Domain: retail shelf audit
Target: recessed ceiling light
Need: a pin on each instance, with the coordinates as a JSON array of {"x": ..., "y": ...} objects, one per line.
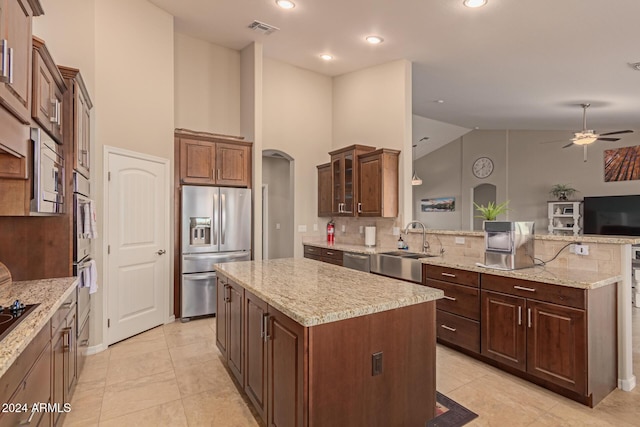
[
  {"x": 374, "y": 39},
  {"x": 285, "y": 4},
  {"x": 474, "y": 3},
  {"x": 326, "y": 57},
  {"x": 439, "y": 101}
]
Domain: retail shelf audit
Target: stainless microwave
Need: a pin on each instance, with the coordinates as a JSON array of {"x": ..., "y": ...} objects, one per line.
[{"x": 48, "y": 174}]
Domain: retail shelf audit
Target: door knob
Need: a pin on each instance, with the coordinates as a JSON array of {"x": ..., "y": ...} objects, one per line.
[{"x": 161, "y": 252}]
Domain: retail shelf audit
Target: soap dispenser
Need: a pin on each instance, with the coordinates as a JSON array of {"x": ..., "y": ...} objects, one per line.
[{"x": 401, "y": 243}]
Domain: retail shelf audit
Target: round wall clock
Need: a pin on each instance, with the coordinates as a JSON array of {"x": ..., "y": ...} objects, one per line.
[{"x": 482, "y": 167}]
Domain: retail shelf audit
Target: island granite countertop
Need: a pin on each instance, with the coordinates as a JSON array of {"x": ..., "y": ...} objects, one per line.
[
  {"x": 313, "y": 292},
  {"x": 50, "y": 294}
]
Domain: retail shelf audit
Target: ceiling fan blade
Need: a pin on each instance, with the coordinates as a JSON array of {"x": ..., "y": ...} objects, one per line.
[
  {"x": 618, "y": 132},
  {"x": 608, "y": 139},
  {"x": 568, "y": 145}
]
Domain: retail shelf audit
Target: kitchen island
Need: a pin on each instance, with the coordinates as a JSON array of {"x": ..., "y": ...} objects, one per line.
[{"x": 312, "y": 344}]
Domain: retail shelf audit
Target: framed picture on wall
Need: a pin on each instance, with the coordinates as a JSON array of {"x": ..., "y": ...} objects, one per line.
[{"x": 439, "y": 204}]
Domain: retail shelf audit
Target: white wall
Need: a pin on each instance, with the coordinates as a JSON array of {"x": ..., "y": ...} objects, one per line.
[
  {"x": 373, "y": 107},
  {"x": 207, "y": 86},
  {"x": 124, "y": 49},
  {"x": 524, "y": 171},
  {"x": 298, "y": 121}
]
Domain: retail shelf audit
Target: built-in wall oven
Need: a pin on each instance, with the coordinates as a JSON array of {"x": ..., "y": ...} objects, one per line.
[
  {"x": 48, "y": 174},
  {"x": 81, "y": 208}
]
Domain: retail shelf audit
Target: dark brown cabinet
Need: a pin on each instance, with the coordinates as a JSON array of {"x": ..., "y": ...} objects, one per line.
[
  {"x": 77, "y": 114},
  {"x": 331, "y": 256},
  {"x": 229, "y": 328},
  {"x": 274, "y": 357},
  {"x": 213, "y": 160},
  {"x": 458, "y": 313},
  {"x": 344, "y": 179},
  {"x": 378, "y": 184},
  {"x": 48, "y": 91},
  {"x": 15, "y": 68},
  {"x": 324, "y": 190},
  {"x": 559, "y": 336},
  {"x": 64, "y": 355}
]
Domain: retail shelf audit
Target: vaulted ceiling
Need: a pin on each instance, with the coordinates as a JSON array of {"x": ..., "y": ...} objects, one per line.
[{"x": 508, "y": 65}]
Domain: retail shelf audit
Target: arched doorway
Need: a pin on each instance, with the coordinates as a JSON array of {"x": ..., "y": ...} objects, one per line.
[
  {"x": 482, "y": 194},
  {"x": 277, "y": 205}
]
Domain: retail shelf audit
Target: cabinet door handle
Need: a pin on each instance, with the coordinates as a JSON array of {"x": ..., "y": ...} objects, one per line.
[
  {"x": 448, "y": 328},
  {"x": 449, "y": 298},
  {"x": 10, "y": 66},
  {"x": 359, "y": 207},
  {"x": 4, "y": 70},
  {"x": 448, "y": 274},
  {"x": 217, "y": 174},
  {"x": 522, "y": 288},
  {"x": 58, "y": 115},
  {"x": 529, "y": 316},
  {"x": 265, "y": 319},
  {"x": 262, "y": 327},
  {"x": 52, "y": 116},
  {"x": 519, "y": 315},
  {"x": 226, "y": 290},
  {"x": 28, "y": 421}
]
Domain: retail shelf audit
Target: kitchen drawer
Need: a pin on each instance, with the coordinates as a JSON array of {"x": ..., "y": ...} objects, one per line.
[
  {"x": 58, "y": 319},
  {"x": 458, "y": 330},
  {"x": 557, "y": 294},
  {"x": 332, "y": 261},
  {"x": 21, "y": 366},
  {"x": 312, "y": 250},
  {"x": 461, "y": 300},
  {"x": 453, "y": 275},
  {"x": 332, "y": 254}
]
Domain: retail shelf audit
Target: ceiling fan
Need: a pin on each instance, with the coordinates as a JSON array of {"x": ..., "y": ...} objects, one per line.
[{"x": 589, "y": 136}]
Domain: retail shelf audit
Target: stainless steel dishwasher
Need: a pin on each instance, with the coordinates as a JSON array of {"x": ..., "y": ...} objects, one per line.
[{"x": 355, "y": 261}]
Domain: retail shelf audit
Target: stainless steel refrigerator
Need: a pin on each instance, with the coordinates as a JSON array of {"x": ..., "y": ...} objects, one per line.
[{"x": 216, "y": 227}]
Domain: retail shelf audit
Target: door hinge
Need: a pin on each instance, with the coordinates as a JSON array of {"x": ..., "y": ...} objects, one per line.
[
  {"x": 108, "y": 323},
  {"x": 108, "y": 176},
  {"x": 108, "y": 249}
]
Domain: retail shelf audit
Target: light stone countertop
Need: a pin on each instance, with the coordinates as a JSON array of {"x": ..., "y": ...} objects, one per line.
[
  {"x": 556, "y": 276},
  {"x": 50, "y": 294},
  {"x": 313, "y": 292},
  {"x": 584, "y": 238},
  {"x": 360, "y": 249}
]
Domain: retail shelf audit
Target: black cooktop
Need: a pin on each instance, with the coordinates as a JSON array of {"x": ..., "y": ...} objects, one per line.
[{"x": 12, "y": 315}]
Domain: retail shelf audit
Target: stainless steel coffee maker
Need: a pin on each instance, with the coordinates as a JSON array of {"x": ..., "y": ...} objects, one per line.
[{"x": 509, "y": 245}]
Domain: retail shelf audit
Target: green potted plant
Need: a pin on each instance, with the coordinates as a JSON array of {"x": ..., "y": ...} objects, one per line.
[
  {"x": 492, "y": 210},
  {"x": 562, "y": 191}
]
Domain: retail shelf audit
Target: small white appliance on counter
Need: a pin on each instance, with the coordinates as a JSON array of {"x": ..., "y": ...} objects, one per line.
[
  {"x": 216, "y": 228},
  {"x": 370, "y": 236},
  {"x": 509, "y": 245}
]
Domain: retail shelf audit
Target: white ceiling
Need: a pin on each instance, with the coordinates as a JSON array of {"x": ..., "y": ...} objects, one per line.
[{"x": 513, "y": 64}]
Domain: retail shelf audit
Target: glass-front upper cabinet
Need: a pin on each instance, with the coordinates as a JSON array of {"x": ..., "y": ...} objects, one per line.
[{"x": 344, "y": 180}]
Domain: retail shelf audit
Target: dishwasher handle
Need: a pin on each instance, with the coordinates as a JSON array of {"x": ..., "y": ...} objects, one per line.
[{"x": 361, "y": 257}]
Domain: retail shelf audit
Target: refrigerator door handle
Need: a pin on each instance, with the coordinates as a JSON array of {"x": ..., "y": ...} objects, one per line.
[
  {"x": 204, "y": 276},
  {"x": 216, "y": 210},
  {"x": 224, "y": 218}
]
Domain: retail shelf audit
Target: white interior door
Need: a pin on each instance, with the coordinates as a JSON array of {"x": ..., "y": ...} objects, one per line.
[{"x": 137, "y": 233}]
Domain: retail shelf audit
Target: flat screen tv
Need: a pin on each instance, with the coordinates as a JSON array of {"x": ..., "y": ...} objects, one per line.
[{"x": 614, "y": 215}]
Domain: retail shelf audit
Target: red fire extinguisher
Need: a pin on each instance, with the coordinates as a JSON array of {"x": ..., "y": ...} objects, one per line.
[{"x": 331, "y": 229}]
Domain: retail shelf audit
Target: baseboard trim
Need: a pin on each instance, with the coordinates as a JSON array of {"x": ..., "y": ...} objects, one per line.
[
  {"x": 96, "y": 349},
  {"x": 170, "y": 319},
  {"x": 627, "y": 384}
]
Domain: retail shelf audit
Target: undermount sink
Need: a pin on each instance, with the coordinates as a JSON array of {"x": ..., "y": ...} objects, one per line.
[{"x": 402, "y": 265}]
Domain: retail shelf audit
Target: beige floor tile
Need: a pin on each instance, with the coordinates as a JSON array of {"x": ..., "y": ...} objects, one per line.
[
  {"x": 126, "y": 349},
  {"x": 141, "y": 365},
  {"x": 150, "y": 335},
  {"x": 168, "y": 414},
  {"x": 189, "y": 335},
  {"x": 218, "y": 409},
  {"x": 193, "y": 354},
  {"x": 131, "y": 396},
  {"x": 211, "y": 375},
  {"x": 94, "y": 371},
  {"x": 85, "y": 407}
]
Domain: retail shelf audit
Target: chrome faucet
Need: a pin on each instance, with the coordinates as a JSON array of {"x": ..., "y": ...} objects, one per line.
[{"x": 425, "y": 244}]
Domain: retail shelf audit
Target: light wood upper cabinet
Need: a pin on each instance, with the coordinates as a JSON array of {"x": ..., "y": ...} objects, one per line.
[
  {"x": 77, "y": 111},
  {"x": 344, "y": 179},
  {"x": 48, "y": 91},
  {"x": 378, "y": 184},
  {"x": 210, "y": 159}
]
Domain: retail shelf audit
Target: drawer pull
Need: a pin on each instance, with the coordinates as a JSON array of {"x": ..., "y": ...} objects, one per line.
[
  {"x": 448, "y": 274},
  {"x": 448, "y": 328},
  {"x": 449, "y": 298},
  {"x": 28, "y": 421},
  {"x": 66, "y": 305},
  {"x": 329, "y": 253},
  {"x": 522, "y": 288},
  {"x": 310, "y": 250}
]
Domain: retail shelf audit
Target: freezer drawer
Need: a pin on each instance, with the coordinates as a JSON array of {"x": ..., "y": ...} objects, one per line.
[{"x": 198, "y": 294}]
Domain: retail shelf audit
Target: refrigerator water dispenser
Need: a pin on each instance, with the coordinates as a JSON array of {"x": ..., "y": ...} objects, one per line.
[{"x": 200, "y": 231}]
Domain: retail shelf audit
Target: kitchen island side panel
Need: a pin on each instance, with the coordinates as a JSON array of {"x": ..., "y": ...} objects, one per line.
[{"x": 343, "y": 389}]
